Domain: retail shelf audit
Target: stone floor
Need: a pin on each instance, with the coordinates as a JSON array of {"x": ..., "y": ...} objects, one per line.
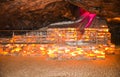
[{"x": 17, "y": 66}]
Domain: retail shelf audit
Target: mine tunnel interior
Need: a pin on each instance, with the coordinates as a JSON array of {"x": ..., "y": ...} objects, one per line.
[{"x": 33, "y": 15}]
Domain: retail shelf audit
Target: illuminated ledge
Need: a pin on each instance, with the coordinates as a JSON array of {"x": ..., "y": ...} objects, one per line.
[{"x": 60, "y": 44}]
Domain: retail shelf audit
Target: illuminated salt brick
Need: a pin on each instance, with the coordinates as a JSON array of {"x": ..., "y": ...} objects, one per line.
[{"x": 63, "y": 43}]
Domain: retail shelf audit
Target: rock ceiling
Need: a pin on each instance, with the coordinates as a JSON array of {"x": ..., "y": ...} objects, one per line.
[
  {"x": 29, "y": 14},
  {"x": 107, "y": 8}
]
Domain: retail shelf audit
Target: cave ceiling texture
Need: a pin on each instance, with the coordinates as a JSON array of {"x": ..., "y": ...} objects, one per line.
[{"x": 29, "y": 14}]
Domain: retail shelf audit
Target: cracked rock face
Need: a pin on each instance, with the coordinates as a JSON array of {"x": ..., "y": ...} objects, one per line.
[
  {"x": 34, "y": 14},
  {"x": 107, "y": 8}
]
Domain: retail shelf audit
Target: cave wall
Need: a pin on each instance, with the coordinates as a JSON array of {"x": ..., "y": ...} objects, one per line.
[
  {"x": 33, "y": 14},
  {"x": 29, "y": 14},
  {"x": 106, "y": 8}
]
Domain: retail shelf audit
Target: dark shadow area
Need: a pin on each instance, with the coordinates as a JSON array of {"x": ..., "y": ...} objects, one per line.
[{"x": 115, "y": 32}]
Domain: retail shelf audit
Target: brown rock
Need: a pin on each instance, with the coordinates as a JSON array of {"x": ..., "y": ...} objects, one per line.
[
  {"x": 34, "y": 14},
  {"x": 29, "y": 14},
  {"x": 104, "y": 8}
]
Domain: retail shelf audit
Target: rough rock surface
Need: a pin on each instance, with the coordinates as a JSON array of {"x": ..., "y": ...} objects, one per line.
[
  {"x": 34, "y": 14},
  {"x": 107, "y": 8}
]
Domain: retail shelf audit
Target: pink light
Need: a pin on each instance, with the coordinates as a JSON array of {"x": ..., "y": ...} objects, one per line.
[
  {"x": 87, "y": 15},
  {"x": 91, "y": 17},
  {"x": 84, "y": 15}
]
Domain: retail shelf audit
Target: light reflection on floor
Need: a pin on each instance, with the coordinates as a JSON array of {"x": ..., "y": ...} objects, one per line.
[{"x": 16, "y": 66}]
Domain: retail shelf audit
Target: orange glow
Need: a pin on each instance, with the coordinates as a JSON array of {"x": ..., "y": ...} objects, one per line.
[
  {"x": 101, "y": 56},
  {"x": 73, "y": 54},
  {"x": 63, "y": 43},
  {"x": 91, "y": 55},
  {"x": 115, "y": 19}
]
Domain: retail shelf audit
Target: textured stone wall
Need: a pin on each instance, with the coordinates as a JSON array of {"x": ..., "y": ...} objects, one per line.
[
  {"x": 107, "y": 8},
  {"x": 29, "y": 14},
  {"x": 34, "y": 14}
]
